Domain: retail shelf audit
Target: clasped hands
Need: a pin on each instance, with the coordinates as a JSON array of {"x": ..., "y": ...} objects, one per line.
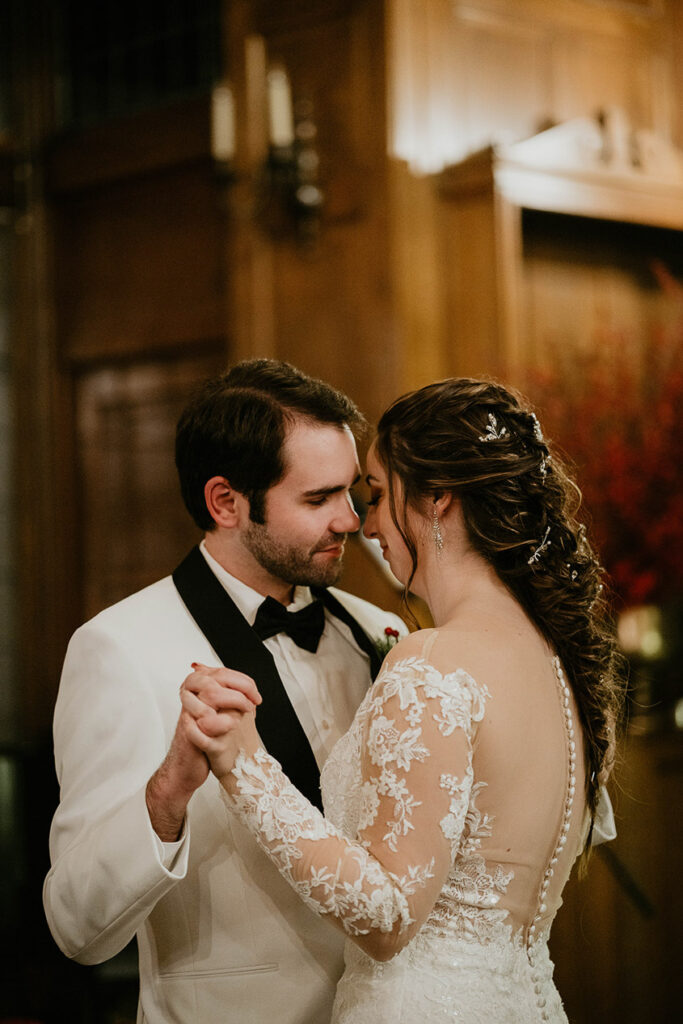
[{"x": 220, "y": 707}]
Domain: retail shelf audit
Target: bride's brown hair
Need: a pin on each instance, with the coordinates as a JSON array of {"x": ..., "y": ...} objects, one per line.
[{"x": 481, "y": 442}]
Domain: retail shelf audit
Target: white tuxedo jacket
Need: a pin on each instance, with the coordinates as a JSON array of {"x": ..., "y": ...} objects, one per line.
[{"x": 221, "y": 936}]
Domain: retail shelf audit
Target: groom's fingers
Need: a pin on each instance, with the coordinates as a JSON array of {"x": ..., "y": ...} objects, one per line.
[
  {"x": 197, "y": 736},
  {"x": 197, "y": 696},
  {"x": 215, "y": 700},
  {"x": 216, "y": 726},
  {"x": 231, "y": 679}
]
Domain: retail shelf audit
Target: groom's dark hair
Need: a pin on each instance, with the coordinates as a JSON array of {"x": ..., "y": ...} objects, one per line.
[{"x": 236, "y": 424}]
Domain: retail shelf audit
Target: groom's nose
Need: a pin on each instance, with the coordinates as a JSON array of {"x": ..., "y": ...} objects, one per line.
[{"x": 346, "y": 519}]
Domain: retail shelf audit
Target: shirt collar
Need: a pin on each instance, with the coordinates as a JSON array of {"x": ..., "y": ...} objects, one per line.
[{"x": 247, "y": 599}]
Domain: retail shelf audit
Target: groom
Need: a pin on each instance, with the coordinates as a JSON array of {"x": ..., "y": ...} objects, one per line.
[{"x": 141, "y": 843}]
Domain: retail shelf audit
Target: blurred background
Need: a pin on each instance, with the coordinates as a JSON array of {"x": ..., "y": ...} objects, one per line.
[{"x": 383, "y": 192}]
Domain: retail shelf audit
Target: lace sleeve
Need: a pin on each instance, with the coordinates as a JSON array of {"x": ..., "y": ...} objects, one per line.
[{"x": 416, "y": 776}]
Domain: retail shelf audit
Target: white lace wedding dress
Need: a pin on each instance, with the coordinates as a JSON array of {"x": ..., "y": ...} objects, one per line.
[{"x": 454, "y": 812}]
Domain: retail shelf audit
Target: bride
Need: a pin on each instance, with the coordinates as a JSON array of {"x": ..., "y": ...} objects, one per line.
[{"x": 469, "y": 781}]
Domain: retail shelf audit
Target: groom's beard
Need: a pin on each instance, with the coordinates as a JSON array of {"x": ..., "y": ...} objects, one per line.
[{"x": 293, "y": 565}]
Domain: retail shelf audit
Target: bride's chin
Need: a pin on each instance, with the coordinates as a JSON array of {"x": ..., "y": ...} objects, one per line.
[{"x": 398, "y": 572}]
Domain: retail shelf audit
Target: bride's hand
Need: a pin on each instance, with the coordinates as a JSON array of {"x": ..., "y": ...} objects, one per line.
[{"x": 221, "y": 708}]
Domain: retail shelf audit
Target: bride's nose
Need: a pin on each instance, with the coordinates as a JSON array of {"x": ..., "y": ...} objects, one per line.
[{"x": 369, "y": 529}]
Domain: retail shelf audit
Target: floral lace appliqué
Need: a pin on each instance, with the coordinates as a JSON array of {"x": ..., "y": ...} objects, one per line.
[
  {"x": 348, "y": 881},
  {"x": 356, "y": 889}
]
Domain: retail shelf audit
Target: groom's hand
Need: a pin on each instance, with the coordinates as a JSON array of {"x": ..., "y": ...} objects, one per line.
[
  {"x": 182, "y": 771},
  {"x": 222, "y": 703}
]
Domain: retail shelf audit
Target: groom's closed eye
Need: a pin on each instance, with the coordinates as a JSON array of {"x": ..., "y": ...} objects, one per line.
[{"x": 320, "y": 497}]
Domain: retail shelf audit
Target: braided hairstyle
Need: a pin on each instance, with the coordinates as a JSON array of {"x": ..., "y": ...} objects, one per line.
[{"x": 479, "y": 441}]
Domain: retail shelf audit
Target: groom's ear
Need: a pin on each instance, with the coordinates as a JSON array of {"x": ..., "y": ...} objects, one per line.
[{"x": 226, "y": 506}]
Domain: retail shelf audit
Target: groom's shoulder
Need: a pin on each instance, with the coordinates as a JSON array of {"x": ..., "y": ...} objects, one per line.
[
  {"x": 373, "y": 619},
  {"x": 139, "y": 610}
]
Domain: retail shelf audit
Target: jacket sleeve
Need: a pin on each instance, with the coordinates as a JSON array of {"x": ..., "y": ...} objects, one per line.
[{"x": 107, "y": 863}]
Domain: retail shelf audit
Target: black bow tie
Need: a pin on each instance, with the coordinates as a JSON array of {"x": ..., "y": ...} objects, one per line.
[{"x": 305, "y": 626}]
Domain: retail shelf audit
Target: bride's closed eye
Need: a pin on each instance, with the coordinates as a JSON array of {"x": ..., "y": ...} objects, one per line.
[{"x": 374, "y": 500}]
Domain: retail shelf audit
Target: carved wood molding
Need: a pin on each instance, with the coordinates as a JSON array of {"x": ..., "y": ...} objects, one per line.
[
  {"x": 607, "y": 146},
  {"x": 592, "y": 167}
]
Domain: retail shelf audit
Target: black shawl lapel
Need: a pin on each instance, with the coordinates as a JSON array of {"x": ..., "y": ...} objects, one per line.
[
  {"x": 238, "y": 647},
  {"x": 365, "y": 643}
]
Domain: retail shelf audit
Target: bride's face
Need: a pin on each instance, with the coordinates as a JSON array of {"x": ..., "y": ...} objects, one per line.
[{"x": 379, "y": 524}]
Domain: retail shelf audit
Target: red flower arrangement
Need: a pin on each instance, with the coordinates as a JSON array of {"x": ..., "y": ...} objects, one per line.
[{"x": 617, "y": 412}]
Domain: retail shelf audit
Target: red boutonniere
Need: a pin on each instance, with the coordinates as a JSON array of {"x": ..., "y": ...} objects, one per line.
[{"x": 387, "y": 641}]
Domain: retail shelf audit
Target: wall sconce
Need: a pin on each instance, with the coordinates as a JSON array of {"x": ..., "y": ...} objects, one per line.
[
  {"x": 290, "y": 199},
  {"x": 222, "y": 126},
  {"x": 287, "y": 197}
]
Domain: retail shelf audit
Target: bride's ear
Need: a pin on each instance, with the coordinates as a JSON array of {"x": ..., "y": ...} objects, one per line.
[{"x": 443, "y": 501}]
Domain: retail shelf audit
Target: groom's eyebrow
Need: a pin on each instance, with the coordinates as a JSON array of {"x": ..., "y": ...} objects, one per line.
[{"x": 319, "y": 492}]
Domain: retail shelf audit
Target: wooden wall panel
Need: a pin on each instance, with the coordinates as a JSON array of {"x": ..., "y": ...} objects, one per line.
[
  {"x": 472, "y": 309},
  {"x": 467, "y": 74},
  {"x": 140, "y": 264},
  {"x": 503, "y": 70},
  {"x": 674, "y": 54},
  {"x": 332, "y": 303},
  {"x": 134, "y": 527},
  {"x": 593, "y": 71},
  {"x": 420, "y": 286},
  {"x": 585, "y": 281}
]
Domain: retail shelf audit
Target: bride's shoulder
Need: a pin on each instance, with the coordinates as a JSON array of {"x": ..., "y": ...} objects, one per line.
[
  {"x": 413, "y": 647},
  {"x": 446, "y": 648},
  {"x": 442, "y": 660},
  {"x": 417, "y": 675}
]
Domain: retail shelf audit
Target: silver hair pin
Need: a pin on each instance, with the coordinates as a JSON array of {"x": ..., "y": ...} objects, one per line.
[
  {"x": 492, "y": 432},
  {"x": 541, "y": 549},
  {"x": 538, "y": 433}
]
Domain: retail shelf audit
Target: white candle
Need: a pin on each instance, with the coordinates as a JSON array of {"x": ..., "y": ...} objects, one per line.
[
  {"x": 280, "y": 115},
  {"x": 222, "y": 123}
]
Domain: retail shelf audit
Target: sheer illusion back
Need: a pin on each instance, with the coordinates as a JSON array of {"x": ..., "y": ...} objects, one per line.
[{"x": 454, "y": 812}]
